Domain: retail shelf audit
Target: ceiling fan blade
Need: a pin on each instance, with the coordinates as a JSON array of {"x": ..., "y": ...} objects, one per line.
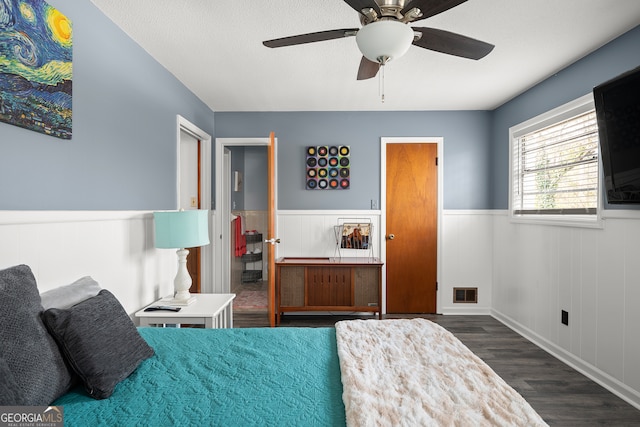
[
  {"x": 358, "y": 5},
  {"x": 368, "y": 69},
  {"x": 431, "y": 7},
  {"x": 311, "y": 37},
  {"x": 452, "y": 43}
]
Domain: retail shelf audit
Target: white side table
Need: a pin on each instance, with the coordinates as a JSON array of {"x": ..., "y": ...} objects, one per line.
[{"x": 211, "y": 310}]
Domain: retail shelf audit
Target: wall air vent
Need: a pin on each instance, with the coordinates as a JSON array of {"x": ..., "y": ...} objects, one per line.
[{"x": 465, "y": 295}]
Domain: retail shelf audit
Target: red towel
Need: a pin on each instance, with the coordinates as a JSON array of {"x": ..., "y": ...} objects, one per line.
[{"x": 241, "y": 240}]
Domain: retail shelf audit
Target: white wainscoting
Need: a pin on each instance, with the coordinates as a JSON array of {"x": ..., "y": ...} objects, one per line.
[
  {"x": 467, "y": 258},
  {"x": 311, "y": 233},
  {"x": 115, "y": 248},
  {"x": 594, "y": 275}
]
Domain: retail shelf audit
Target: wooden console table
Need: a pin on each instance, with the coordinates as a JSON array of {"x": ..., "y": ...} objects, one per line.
[{"x": 328, "y": 284}]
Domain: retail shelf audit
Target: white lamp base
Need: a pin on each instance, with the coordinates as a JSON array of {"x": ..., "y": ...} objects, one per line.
[{"x": 182, "y": 282}]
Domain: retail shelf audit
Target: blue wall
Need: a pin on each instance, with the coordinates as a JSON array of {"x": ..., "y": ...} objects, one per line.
[
  {"x": 255, "y": 179},
  {"x": 618, "y": 56},
  {"x": 251, "y": 162},
  {"x": 123, "y": 152},
  {"x": 466, "y": 152},
  {"x": 122, "y": 155},
  {"x": 237, "y": 164}
]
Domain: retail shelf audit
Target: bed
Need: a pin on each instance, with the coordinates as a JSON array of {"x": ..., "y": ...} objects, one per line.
[
  {"x": 360, "y": 373},
  {"x": 226, "y": 377}
]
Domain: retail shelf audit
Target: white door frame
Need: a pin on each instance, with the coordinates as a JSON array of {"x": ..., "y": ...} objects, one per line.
[
  {"x": 226, "y": 207},
  {"x": 206, "y": 252},
  {"x": 222, "y": 216},
  {"x": 383, "y": 207}
]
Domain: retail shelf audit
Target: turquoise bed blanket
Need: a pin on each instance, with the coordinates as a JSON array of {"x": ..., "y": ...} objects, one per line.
[{"x": 223, "y": 377}]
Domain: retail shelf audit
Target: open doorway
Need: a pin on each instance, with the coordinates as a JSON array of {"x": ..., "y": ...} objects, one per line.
[
  {"x": 251, "y": 179},
  {"x": 246, "y": 168}
]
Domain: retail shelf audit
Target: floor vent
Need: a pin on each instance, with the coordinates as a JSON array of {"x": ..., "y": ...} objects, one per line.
[{"x": 467, "y": 295}]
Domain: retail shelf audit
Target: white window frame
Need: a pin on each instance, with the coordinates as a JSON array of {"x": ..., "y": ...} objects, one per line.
[{"x": 563, "y": 112}]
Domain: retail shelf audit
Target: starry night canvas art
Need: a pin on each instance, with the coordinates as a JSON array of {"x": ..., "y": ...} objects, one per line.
[{"x": 36, "y": 67}]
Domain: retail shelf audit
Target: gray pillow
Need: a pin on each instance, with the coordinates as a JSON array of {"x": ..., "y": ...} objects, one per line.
[
  {"x": 10, "y": 393},
  {"x": 68, "y": 295},
  {"x": 99, "y": 340},
  {"x": 29, "y": 352}
]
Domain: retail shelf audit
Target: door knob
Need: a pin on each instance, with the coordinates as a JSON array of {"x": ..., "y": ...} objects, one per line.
[
  {"x": 273, "y": 240},
  {"x": 391, "y": 236}
]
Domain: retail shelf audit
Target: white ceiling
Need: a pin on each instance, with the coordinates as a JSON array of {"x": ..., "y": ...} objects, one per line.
[{"x": 215, "y": 48}]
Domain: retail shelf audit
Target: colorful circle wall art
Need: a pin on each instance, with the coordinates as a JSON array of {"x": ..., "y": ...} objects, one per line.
[{"x": 328, "y": 167}]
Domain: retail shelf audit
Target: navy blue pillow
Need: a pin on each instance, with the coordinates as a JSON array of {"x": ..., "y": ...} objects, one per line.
[{"x": 99, "y": 340}]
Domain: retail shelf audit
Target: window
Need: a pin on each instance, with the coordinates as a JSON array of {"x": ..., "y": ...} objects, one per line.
[{"x": 554, "y": 165}]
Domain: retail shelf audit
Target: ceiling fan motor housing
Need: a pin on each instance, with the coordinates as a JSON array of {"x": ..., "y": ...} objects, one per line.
[{"x": 384, "y": 40}]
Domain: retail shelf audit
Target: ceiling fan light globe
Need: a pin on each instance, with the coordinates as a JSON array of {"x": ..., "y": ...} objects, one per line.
[{"x": 383, "y": 41}]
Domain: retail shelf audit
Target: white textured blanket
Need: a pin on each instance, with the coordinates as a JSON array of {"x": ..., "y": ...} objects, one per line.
[{"x": 412, "y": 372}]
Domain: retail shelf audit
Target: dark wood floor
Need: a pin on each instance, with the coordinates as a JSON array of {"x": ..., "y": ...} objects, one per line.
[{"x": 561, "y": 395}]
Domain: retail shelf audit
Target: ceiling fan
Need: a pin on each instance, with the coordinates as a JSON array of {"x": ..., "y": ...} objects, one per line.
[{"x": 385, "y": 33}]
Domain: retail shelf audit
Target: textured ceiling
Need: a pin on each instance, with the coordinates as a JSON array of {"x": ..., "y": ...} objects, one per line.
[{"x": 215, "y": 48}]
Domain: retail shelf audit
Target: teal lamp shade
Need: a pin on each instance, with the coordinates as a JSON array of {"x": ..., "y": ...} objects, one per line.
[{"x": 181, "y": 229}]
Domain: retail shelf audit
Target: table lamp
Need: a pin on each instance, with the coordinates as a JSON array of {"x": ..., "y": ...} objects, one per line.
[{"x": 179, "y": 230}]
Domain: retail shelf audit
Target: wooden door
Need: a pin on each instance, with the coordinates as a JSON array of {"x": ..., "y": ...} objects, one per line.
[
  {"x": 411, "y": 226},
  {"x": 271, "y": 228}
]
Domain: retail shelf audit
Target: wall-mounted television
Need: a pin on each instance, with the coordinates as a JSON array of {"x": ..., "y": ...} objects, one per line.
[{"x": 617, "y": 103}]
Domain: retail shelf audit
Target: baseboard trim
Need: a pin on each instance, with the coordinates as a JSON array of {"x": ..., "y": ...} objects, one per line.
[
  {"x": 465, "y": 311},
  {"x": 612, "y": 384}
]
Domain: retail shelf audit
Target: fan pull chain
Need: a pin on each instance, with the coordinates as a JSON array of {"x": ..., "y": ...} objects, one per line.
[{"x": 381, "y": 84}]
